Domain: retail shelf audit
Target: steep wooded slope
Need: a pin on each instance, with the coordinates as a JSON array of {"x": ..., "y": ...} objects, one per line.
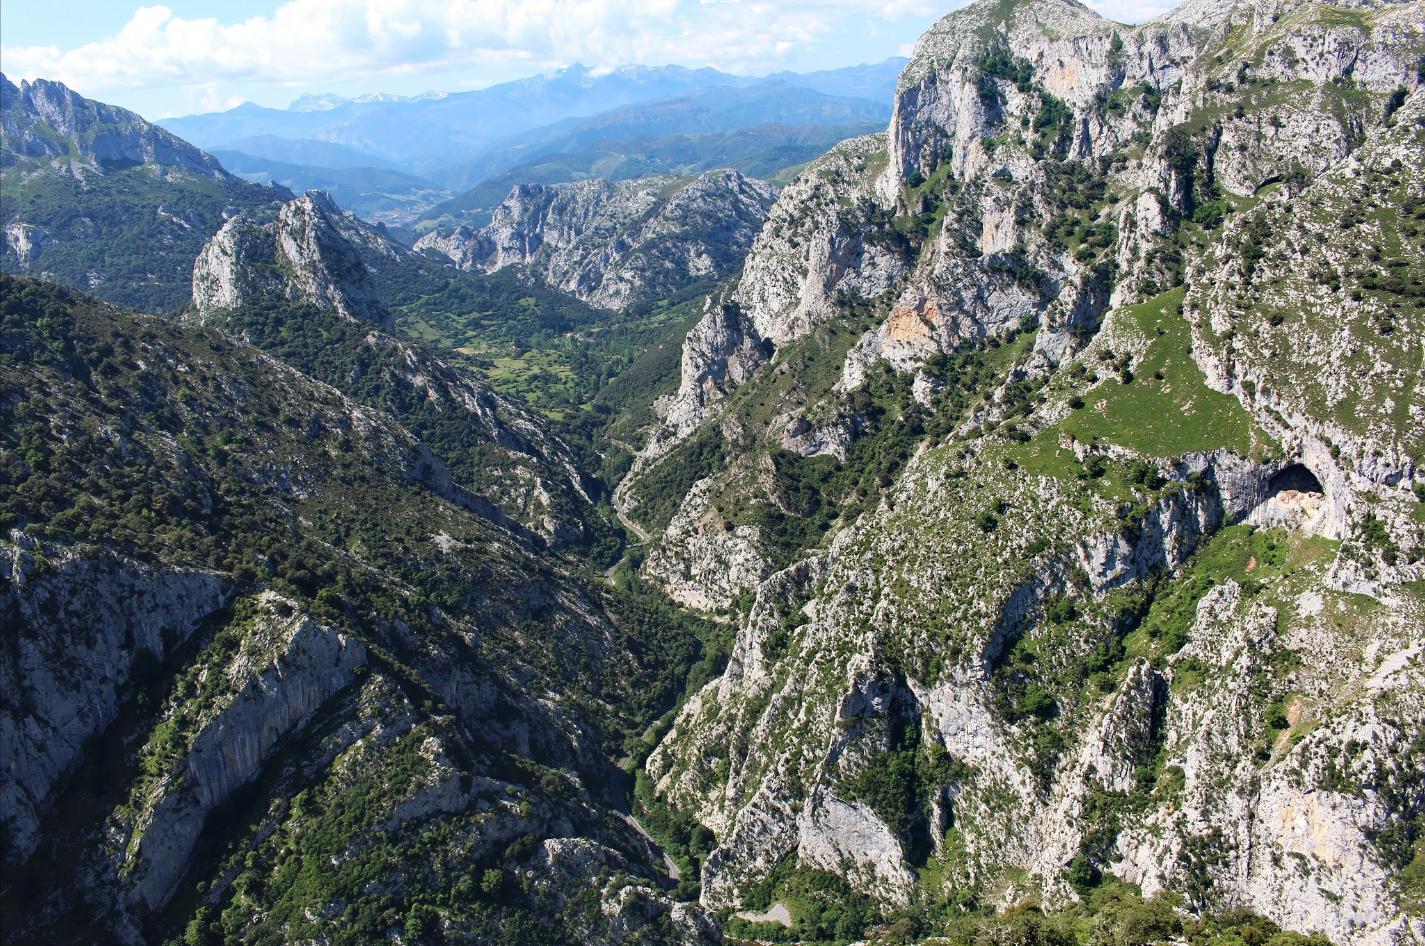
[
  {"x": 97, "y": 198},
  {"x": 264, "y": 659}
]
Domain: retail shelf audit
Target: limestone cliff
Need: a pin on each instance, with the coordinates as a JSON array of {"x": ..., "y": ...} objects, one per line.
[
  {"x": 46, "y": 121},
  {"x": 62, "y": 691},
  {"x": 300, "y": 257},
  {"x": 615, "y": 244},
  {"x": 1133, "y": 411},
  {"x": 100, "y": 199}
]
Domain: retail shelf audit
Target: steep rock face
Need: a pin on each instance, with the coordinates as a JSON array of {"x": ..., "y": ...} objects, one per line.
[
  {"x": 884, "y": 602},
  {"x": 816, "y": 245},
  {"x": 1051, "y": 68},
  {"x": 885, "y": 642},
  {"x": 1308, "y": 315},
  {"x": 99, "y": 199},
  {"x": 720, "y": 352},
  {"x": 940, "y": 111},
  {"x": 26, "y": 242},
  {"x": 63, "y": 689},
  {"x": 698, "y": 562},
  {"x": 999, "y": 96},
  {"x": 616, "y": 244},
  {"x": 884, "y": 690},
  {"x": 1302, "y": 825},
  {"x": 286, "y": 668},
  {"x": 300, "y": 256},
  {"x": 632, "y": 914},
  {"x": 46, "y": 121},
  {"x": 1040, "y": 169}
]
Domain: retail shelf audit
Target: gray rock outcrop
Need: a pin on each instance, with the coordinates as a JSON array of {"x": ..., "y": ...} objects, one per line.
[{"x": 615, "y": 244}]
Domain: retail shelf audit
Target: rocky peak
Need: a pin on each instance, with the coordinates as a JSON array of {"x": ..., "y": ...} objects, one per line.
[
  {"x": 312, "y": 253},
  {"x": 300, "y": 256},
  {"x": 99, "y": 199},
  {"x": 616, "y": 244},
  {"x": 1019, "y": 24},
  {"x": 1213, "y": 14},
  {"x": 813, "y": 250},
  {"x": 46, "y": 120}
]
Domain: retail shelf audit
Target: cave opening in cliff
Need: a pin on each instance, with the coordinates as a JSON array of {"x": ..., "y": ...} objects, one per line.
[{"x": 1294, "y": 477}]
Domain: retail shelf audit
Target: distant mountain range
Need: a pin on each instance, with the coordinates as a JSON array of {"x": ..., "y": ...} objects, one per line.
[
  {"x": 377, "y": 194},
  {"x": 773, "y": 152},
  {"x": 428, "y": 134},
  {"x": 717, "y": 109},
  {"x": 410, "y": 162},
  {"x": 442, "y": 144}
]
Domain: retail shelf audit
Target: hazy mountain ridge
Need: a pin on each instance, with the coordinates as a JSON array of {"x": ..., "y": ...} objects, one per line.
[
  {"x": 429, "y": 134},
  {"x": 764, "y": 151},
  {"x": 634, "y": 115},
  {"x": 704, "y": 111},
  {"x": 376, "y": 194}
]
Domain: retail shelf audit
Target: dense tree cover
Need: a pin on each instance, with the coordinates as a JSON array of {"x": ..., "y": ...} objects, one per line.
[
  {"x": 223, "y": 498},
  {"x": 174, "y": 444},
  {"x": 336, "y": 351},
  {"x": 476, "y": 307},
  {"x": 999, "y": 64},
  {"x": 662, "y": 490},
  {"x": 219, "y": 501},
  {"x": 486, "y": 317},
  {"x": 128, "y": 235},
  {"x": 592, "y": 373}
]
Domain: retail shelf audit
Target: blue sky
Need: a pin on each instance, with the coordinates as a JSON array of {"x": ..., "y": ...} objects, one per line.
[{"x": 183, "y": 56}]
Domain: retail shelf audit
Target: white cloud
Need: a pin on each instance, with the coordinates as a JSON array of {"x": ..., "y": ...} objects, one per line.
[
  {"x": 304, "y": 42},
  {"x": 210, "y": 98}
]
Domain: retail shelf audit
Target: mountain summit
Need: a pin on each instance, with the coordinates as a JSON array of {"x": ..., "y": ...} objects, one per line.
[{"x": 45, "y": 121}]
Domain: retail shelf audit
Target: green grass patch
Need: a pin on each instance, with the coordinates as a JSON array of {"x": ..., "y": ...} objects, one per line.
[
  {"x": 1274, "y": 562},
  {"x": 1165, "y": 408}
]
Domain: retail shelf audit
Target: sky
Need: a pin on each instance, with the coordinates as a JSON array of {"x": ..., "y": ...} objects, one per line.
[{"x": 188, "y": 56}]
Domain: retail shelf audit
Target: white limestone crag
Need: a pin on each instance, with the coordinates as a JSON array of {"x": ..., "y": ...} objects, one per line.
[
  {"x": 287, "y": 667},
  {"x": 616, "y": 244},
  {"x": 39, "y": 119},
  {"x": 84, "y": 625},
  {"x": 300, "y": 257}
]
